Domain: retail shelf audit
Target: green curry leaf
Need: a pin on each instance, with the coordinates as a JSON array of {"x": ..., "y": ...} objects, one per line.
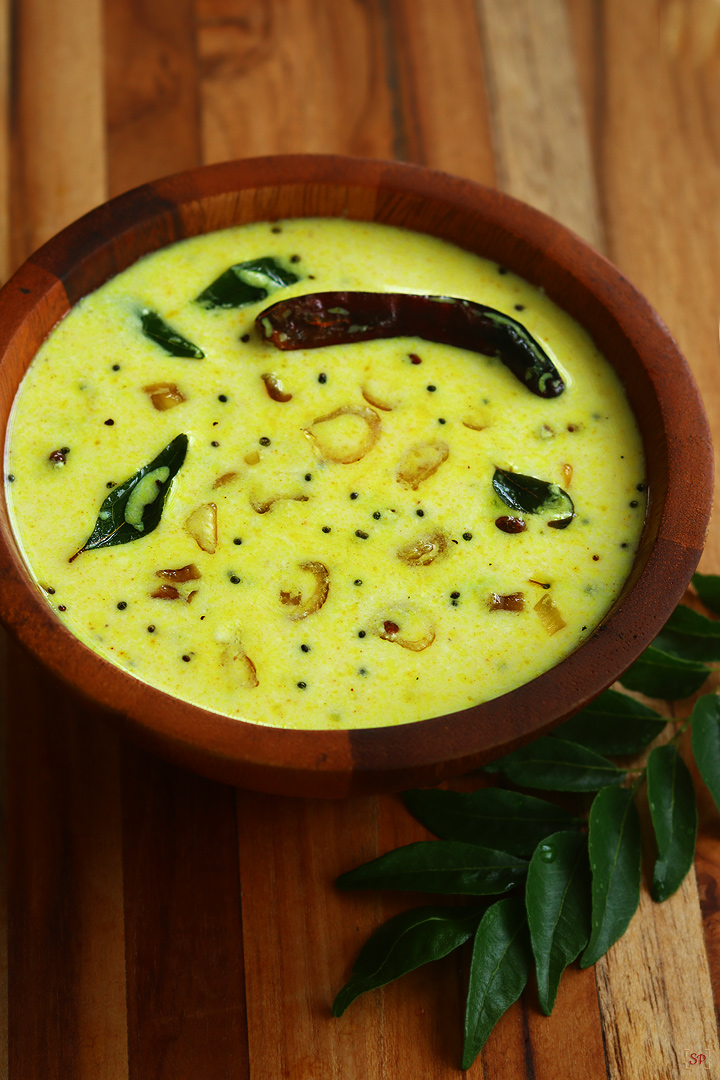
[
  {"x": 615, "y": 857},
  {"x": 706, "y": 742},
  {"x": 552, "y": 764},
  {"x": 499, "y": 969},
  {"x": 557, "y": 898},
  {"x": 659, "y": 674},
  {"x": 440, "y": 866},
  {"x": 690, "y": 635},
  {"x": 531, "y": 495},
  {"x": 134, "y": 508},
  {"x": 674, "y": 816},
  {"x": 246, "y": 283},
  {"x": 505, "y": 820},
  {"x": 170, "y": 340},
  {"x": 405, "y": 943},
  {"x": 613, "y": 724},
  {"x": 707, "y": 587}
]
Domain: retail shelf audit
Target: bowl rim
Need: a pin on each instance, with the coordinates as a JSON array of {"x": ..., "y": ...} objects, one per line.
[{"x": 293, "y": 761}]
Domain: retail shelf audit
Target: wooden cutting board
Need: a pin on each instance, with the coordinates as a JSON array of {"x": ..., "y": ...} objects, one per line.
[{"x": 157, "y": 925}]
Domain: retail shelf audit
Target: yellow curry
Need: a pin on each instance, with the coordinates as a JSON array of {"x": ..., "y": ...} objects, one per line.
[{"x": 344, "y": 535}]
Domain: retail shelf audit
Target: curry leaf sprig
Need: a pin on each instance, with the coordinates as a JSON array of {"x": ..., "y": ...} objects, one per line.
[{"x": 569, "y": 885}]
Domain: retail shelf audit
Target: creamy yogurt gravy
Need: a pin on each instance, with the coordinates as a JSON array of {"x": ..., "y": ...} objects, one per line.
[{"x": 228, "y": 642}]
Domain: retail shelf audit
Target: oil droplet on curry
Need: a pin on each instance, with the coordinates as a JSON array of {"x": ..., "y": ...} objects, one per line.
[{"x": 323, "y": 536}]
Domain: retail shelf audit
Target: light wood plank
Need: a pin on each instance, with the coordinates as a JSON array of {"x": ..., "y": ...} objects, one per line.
[
  {"x": 658, "y": 70},
  {"x": 655, "y": 990},
  {"x": 296, "y": 76},
  {"x": 541, "y": 141},
  {"x": 58, "y": 148}
]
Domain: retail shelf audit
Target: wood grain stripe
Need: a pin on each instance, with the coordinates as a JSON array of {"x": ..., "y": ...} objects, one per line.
[
  {"x": 656, "y": 999},
  {"x": 151, "y": 90},
  {"x": 4, "y": 140},
  {"x": 4, "y": 679},
  {"x": 58, "y": 136},
  {"x": 183, "y": 928},
  {"x": 66, "y": 946},
  {"x": 659, "y": 152},
  {"x": 292, "y": 76},
  {"x": 441, "y": 87},
  {"x": 541, "y": 141},
  {"x": 302, "y": 935}
]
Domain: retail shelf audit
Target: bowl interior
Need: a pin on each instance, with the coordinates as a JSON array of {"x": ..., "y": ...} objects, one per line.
[{"x": 657, "y": 380}]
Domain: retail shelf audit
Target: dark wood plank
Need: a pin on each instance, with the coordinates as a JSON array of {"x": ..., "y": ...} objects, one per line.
[
  {"x": 183, "y": 927},
  {"x": 151, "y": 90},
  {"x": 66, "y": 943}
]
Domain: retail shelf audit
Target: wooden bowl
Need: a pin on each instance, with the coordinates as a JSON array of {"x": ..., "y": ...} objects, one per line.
[{"x": 659, "y": 385}]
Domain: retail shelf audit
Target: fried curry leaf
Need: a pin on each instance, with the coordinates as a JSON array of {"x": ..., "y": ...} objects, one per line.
[
  {"x": 440, "y": 866},
  {"x": 659, "y": 674},
  {"x": 531, "y": 495},
  {"x": 246, "y": 283},
  {"x": 505, "y": 820},
  {"x": 551, "y": 764},
  {"x": 707, "y": 587},
  {"x": 499, "y": 970},
  {"x": 674, "y": 816},
  {"x": 134, "y": 508},
  {"x": 557, "y": 898},
  {"x": 405, "y": 943},
  {"x": 690, "y": 635},
  {"x": 615, "y": 858},
  {"x": 613, "y": 724},
  {"x": 706, "y": 742},
  {"x": 157, "y": 330},
  {"x": 342, "y": 318}
]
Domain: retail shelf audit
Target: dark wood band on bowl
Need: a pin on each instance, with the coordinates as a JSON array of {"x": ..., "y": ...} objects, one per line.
[{"x": 658, "y": 382}]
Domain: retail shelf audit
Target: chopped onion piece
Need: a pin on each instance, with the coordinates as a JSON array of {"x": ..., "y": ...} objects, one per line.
[
  {"x": 224, "y": 479},
  {"x": 317, "y": 598},
  {"x": 274, "y": 387},
  {"x": 202, "y": 526},
  {"x": 408, "y": 626},
  {"x": 473, "y": 423},
  {"x": 338, "y": 444},
  {"x": 511, "y": 602},
  {"x": 423, "y": 551},
  {"x": 567, "y": 472},
  {"x": 252, "y": 458},
  {"x": 243, "y": 670},
  {"x": 165, "y": 592},
  {"x": 267, "y": 504},
  {"x": 420, "y": 462},
  {"x": 549, "y": 615},
  {"x": 164, "y": 395},
  {"x": 374, "y": 399},
  {"x": 183, "y": 573}
]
